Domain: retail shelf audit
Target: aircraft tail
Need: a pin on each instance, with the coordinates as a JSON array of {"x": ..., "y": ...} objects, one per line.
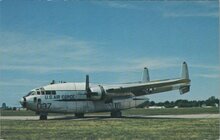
[
  {"x": 185, "y": 75},
  {"x": 145, "y": 77},
  {"x": 185, "y": 72}
]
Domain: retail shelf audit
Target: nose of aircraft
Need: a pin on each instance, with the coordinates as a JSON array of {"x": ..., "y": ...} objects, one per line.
[{"x": 23, "y": 102}]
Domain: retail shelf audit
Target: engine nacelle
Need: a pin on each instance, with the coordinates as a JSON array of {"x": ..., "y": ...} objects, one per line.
[{"x": 97, "y": 92}]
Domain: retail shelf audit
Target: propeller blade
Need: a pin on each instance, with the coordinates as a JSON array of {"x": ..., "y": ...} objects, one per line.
[
  {"x": 87, "y": 83},
  {"x": 88, "y": 91}
]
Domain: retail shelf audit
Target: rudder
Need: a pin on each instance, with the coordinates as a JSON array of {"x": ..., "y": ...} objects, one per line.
[{"x": 185, "y": 72}]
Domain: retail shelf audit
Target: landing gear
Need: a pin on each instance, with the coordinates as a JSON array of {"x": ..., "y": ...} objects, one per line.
[
  {"x": 43, "y": 116},
  {"x": 116, "y": 114},
  {"x": 79, "y": 115}
]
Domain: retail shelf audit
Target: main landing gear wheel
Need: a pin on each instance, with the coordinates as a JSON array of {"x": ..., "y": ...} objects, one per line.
[
  {"x": 43, "y": 117},
  {"x": 79, "y": 115},
  {"x": 116, "y": 114}
]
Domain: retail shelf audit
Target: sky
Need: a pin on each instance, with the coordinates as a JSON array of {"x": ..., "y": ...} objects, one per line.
[{"x": 112, "y": 41}]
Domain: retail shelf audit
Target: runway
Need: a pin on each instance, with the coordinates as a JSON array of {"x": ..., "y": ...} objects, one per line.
[{"x": 107, "y": 117}]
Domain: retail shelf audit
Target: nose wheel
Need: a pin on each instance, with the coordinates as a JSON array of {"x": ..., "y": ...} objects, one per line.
[
  {"x": 43, "y": 116},
  {"x": 116, "y": 114},
  {"x": 79, "y": 115}
]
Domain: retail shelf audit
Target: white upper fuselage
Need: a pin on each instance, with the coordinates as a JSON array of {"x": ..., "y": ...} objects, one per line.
[{"x": 72, "y": 98}]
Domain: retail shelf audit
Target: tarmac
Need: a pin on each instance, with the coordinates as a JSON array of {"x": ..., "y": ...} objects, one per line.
[{"x": 107, "y": 117}]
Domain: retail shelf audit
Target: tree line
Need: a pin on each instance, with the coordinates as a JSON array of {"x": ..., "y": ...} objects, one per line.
[{"x": 212, "y": 101}]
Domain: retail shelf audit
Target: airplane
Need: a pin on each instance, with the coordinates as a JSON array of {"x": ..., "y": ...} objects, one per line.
[{"x": 86, "y": 97}]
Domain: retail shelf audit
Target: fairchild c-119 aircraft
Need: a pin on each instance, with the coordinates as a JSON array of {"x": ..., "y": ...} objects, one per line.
[{"x": 81, "y": 98}]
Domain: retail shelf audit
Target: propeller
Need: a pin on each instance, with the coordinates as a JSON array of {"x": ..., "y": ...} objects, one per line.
[
  {"x": 88, "y": 90},
  {"x": 95, "y": 92}
]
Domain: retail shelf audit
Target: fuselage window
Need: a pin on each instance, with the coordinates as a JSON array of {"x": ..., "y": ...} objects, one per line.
[
  {"x": 53, "y": 92},
  {"x": 48, "y": 92},
  {"x": 39, "y": 100},
  {"x": 35, "y": 99}
]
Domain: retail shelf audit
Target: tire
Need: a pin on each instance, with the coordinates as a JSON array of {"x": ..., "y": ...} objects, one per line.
[
  {"x": 79, "y": 115},
  {"x": 116, "y": 114},
  {"x": 43, "y": 117}
]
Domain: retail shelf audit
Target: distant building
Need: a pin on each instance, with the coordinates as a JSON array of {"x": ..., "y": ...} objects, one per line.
[
  {"x": 4, "y": 106},
  {"x": 176, "y": 107},
  {"x": 21, "y": 108},
  {"x": 205, "y": 106},
  {"x": 156, "y": 107}
]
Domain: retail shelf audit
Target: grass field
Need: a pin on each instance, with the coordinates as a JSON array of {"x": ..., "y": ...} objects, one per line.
[
  {"x": 172, "y": 111},
  {"x": 135, "y": 111},
  {"x": 124, "y": 128},
  {"x": 152, "y": 129}
]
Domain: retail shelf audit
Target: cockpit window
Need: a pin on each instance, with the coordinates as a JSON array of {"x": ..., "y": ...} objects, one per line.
[
  {"x": 38, "y": 92},
  {"x": 31, "y": 93}
]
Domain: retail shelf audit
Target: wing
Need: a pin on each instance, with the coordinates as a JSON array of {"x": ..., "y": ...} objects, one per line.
[{"x": 152, "y": 87}]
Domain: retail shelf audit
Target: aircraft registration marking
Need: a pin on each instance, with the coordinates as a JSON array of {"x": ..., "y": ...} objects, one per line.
[{"x": 43, "y": 105}]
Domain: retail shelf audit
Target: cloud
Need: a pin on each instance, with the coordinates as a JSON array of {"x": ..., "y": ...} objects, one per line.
[
  {"x": 117, "y": 4},
  {"x": 21, "y": 52},
  {"x": 203, "y": 66},
  {"x": 21, "y": 82},
  {"x": 185, "y": 14},
  {"x": 118, "y": 66},
  {"x": 50, "y": 53},
  {"x": 210, "y": 71},
  {"x": 212, "y": 76},
  {"x": 169, "y": 9},
  {"x": 44, "y": 53},
  {"x": 21, "y": 45},
  {"x": 156, "y": 62},
  {"x": 191, "y": 9}
]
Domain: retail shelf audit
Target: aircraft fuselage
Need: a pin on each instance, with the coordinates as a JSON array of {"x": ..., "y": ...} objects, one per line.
[{"x": 58, "y": 99}]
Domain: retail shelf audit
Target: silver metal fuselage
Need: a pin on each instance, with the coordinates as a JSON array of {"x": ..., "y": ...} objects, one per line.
[{"x": 72, "y": 98}]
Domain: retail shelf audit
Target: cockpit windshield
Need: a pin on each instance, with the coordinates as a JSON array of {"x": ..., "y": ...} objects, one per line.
[
  {"x": 30, "y": 93},
  {"x": 41, "y": 91}
]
